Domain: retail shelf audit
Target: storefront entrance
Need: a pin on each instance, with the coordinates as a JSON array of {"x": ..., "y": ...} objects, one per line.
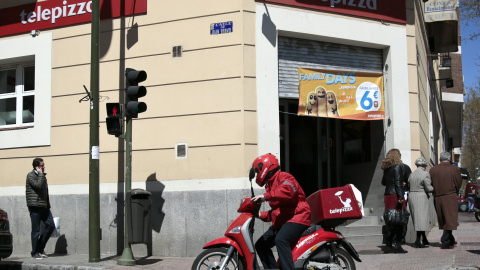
[{"x": 322, "y": 152}]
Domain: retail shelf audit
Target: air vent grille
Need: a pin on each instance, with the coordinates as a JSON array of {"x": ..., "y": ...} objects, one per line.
[{"x": 181, "y": 150}]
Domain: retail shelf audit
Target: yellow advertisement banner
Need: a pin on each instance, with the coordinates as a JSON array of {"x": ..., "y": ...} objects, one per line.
[{"x": 341, "y": 94}]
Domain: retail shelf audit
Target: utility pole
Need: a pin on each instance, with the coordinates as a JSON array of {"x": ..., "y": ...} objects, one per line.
[
  {"x": 127, "y": 255},
  {"x": 94, "y": 157},
  {"x": 131, "y": 110}
]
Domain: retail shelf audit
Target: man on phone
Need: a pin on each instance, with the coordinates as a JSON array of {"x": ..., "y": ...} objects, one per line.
[{"x": 38, "y": 204}]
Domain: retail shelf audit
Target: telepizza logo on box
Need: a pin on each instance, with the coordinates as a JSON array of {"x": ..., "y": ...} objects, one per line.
[{"x": 346, "y": 204}]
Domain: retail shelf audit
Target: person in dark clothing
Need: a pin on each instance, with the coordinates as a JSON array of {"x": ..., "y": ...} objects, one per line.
[
  {"x": 38, "y": 204},
  {"x": 446, "y": 181},
  {"x": 406, "y": 171},
  {"x": 393, "y": 197},
  {"x": 289, "y": 213}
]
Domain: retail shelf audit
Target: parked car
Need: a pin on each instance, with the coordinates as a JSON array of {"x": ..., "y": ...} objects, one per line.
[{"x": 6, "y": 241}]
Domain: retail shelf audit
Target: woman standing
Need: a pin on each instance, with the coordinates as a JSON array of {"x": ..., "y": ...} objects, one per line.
[
  {"x": 393, "y": 196},
  {"x": 420, "y": 186}
]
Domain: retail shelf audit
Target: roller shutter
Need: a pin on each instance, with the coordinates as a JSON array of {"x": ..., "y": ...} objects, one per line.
[{"x": 294, "y": 53}]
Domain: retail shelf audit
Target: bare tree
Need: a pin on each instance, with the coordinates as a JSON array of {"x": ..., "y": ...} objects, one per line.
[
  {"x": 470, "y": 15},
  {"x": 471, "y": 131}
]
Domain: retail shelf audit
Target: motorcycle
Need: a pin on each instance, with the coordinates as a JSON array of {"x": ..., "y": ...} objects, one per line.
[
  {"x": 476, "y": 209},
  {"x": 320, "y": 247}
]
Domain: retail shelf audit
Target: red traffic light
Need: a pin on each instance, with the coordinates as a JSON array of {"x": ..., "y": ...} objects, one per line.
[
  {"x": 113, "y": 109},
  {"x": 114, "y": 119}
]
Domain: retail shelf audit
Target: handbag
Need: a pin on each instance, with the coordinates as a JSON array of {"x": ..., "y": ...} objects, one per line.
[{"x": 396, "y": 216}]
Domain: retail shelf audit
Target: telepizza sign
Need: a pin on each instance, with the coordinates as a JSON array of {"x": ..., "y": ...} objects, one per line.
[
  {"x": 385, "y": 10},
  {"x": 58, "y": 13}
]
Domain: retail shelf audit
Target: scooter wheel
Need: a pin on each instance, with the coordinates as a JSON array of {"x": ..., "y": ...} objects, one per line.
[
  {"x": 345, "y": 260},
  {"x": 212, "y": 259},
  {"x": 477, "y": 216}
]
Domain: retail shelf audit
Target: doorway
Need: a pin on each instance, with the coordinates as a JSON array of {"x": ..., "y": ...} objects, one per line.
[
  {"x": 305, "y": 147},
  {"x": 323, "y": 152}
]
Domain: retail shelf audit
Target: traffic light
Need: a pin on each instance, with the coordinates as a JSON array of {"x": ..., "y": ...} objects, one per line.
[
  {"x": 114, "y": 119},
  {"x": 133, "y": 91}
]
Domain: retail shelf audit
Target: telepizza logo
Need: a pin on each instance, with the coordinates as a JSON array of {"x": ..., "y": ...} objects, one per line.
[
  {"x": 346, "y": 204},
  {"x": 307, "y": 240},
  {"x": 55, "y": 13}
]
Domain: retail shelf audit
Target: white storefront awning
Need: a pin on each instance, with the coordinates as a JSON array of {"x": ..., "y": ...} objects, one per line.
[{"x": 441, "y": 10}]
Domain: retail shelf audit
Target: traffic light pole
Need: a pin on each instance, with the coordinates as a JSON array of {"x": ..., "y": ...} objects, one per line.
[
  {"x": 94, "y": 161},
  {"x": 127, "y": 255}
]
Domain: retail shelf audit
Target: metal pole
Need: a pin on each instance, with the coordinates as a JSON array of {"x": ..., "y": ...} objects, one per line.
[
  {"x": 94, "y": 161},
  {"x": 127, "y": 255}
]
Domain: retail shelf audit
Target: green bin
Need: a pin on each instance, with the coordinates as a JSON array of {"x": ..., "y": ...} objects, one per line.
[{"x": 140, "y": 211}]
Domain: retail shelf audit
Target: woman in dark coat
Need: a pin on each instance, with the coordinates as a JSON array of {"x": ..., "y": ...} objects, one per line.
[
  {"x": 393, "y": 196},
  {"x": 420, "y": 186}
]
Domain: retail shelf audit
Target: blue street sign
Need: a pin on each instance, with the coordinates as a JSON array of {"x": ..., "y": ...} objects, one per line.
[{"x": 221, "y": 28}]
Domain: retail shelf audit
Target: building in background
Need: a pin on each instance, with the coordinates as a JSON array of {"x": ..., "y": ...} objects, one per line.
[{"x": 222, "y": 88}]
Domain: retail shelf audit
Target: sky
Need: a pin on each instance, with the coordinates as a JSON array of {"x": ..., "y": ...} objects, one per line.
[{"x": 470, "y": 55}]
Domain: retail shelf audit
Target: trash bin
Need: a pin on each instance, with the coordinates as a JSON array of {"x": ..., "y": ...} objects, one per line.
[{"x": 140, "y": 211}]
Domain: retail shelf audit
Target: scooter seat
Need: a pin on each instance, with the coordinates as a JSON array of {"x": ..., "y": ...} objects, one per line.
[{"x": 311, "y": 230}]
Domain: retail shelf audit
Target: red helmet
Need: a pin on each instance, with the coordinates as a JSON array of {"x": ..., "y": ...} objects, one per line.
[{"x": 264, "y": 167}]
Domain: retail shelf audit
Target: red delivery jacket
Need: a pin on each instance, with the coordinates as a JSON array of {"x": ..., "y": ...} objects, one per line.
[{"x": 287, "y": 200}]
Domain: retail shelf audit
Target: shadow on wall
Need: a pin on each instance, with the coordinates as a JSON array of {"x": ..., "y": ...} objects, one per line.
[
  {"x": 269, "y": 29},
  {"x": 156, "y": 189},
  {"x": 157, "y": 216}
]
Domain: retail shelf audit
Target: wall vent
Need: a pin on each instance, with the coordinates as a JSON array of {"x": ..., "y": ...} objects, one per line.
[
  {"x": 181, "y": 150},
  {"x": 177, "y": 51}
]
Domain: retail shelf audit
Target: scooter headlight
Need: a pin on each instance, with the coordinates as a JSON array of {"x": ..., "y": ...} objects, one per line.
[{"x": 236, "y": 229}]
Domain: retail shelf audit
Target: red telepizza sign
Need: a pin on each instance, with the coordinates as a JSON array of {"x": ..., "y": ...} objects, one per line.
[
  {"x": 386, "y": 10},
  {"x": 58, "y": 13}
]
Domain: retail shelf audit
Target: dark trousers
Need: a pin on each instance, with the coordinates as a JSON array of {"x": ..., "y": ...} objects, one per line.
[
  {"x": 394, "y": 235},
  {"x": 38, "y": 215},
  {"x": 282, "y": 240},
  {"x": 447, "y": 239}
]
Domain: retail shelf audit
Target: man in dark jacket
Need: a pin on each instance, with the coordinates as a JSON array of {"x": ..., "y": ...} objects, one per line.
[
  {"x": 38, "y": 204},
  {"x": 446, "y": 181}
]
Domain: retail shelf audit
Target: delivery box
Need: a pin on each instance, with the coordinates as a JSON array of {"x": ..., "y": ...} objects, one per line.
[{"x": 336, "y": 205}]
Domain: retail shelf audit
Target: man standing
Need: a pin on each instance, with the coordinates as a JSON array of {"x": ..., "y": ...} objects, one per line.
[
  {"x": 446, "y": 181},
  {"x": 38, "y": 204}
]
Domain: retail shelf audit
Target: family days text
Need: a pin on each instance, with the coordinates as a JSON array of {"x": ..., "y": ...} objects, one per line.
[{"x": 343, "y": 78}]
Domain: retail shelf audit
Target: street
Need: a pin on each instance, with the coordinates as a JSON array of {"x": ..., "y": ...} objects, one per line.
[{"x": 464, "y": 256}]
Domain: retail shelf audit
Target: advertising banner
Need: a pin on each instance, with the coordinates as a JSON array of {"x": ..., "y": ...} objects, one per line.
[
  {"x": 441, "y": 10},
  {"x": 341, "y": 94},
  {"x": 385, "y": 10},
  {"x": 58, "y": 13}
]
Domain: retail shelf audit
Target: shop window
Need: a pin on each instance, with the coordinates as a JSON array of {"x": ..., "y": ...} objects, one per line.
[{"x": 17, "y": 95}]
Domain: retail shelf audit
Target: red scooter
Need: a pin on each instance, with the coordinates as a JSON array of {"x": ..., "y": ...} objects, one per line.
[{"x": 319, "y": 248}]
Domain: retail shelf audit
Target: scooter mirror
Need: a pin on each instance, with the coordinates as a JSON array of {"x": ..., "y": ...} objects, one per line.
[{"x": 251, "y": 175}]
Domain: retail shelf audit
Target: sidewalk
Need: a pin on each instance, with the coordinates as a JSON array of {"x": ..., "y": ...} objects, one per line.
[{"x": 465, "y": 256}]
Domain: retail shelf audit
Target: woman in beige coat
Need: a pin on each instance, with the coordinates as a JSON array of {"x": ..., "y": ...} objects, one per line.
[{"x": 420, "y": 186}]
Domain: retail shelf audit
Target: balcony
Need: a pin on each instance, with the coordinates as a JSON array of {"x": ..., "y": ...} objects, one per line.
[
  {"x": 445, "y": 68},
  {"x": 452, "y": 104}
]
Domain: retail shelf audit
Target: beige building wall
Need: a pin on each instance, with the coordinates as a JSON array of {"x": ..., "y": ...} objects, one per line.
[
  {"x": 206, "y": 98},
  {"x": 419, "y": 88}
]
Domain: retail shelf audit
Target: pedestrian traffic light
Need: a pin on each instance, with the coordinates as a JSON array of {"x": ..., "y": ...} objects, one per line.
[
  {"x": 133, "y": 91},
  {"x": 114, "y": 119}
]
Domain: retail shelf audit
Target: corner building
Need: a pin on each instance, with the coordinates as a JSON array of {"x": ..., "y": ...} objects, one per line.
[{"x": 216, "y": 100}]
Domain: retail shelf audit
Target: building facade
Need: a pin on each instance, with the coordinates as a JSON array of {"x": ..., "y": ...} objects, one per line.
[{"x": 222, "y": 88}]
